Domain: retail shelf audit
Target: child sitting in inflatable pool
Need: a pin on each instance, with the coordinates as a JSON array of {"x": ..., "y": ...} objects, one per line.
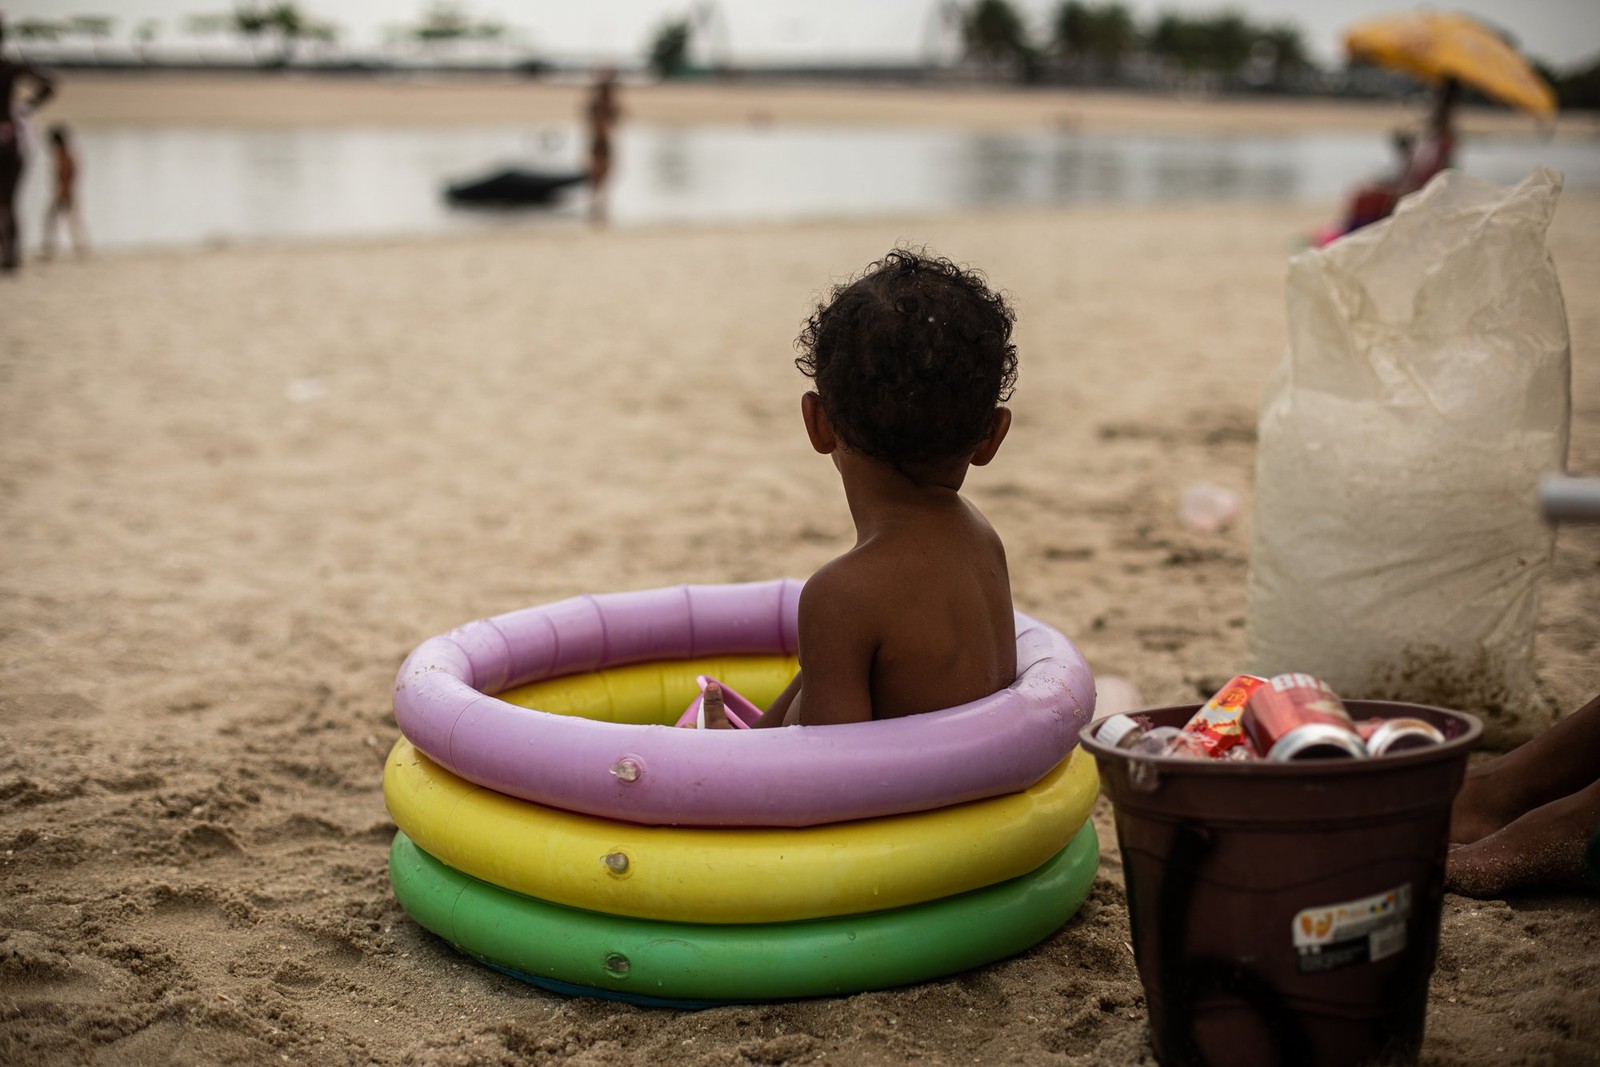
[{"x": 912, "y": 362}]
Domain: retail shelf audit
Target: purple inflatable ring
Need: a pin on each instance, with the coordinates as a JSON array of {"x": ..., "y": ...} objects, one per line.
[{"x": 659, "y": 775}]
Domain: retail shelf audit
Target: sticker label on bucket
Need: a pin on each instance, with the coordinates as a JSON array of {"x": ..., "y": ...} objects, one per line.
[{"x": 1356, "y": 931}]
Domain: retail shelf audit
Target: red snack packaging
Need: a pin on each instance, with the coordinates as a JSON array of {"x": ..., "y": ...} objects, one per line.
[
  {"x": 1296, "y": 716},
  {"x": 1219, "y": 722}
]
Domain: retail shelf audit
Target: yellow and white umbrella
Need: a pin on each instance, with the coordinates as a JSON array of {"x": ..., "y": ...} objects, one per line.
[{"x": 1435, "y": 45}]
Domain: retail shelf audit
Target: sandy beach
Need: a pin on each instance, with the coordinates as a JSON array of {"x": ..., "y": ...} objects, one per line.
[
  {"x": 307, "y": 100},
  {"x": 238, "y": 485}
]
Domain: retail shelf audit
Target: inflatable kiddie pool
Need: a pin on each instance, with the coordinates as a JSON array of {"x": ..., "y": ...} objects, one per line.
[
  {"x": 446, "y": 702},
  {"x": 555, "y": 825}
]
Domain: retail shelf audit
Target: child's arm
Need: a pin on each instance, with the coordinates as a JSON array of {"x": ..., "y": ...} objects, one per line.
[
  {"x": 714, "y": 714},
  {"x": 837, "y": 645},
  {"x": 779, "y": 708},
  {"x": 836, "y": 650}
]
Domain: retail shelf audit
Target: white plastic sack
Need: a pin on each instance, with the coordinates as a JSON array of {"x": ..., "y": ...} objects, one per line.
[{"x": 1397, "y": 539}]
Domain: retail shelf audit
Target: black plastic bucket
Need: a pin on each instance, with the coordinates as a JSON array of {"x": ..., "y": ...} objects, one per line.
[{"x": 1287, "y": 913}]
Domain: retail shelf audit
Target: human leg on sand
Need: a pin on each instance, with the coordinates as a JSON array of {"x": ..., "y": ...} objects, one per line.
[
  {"x": 47, "y": 249},
  {"x": 1561, "y": 761},
  {"x": 1531, "y": 818},
  {"x": 63, "y": 213},
  {"x": 77, "y": 230},
  {"x": 10, "y": 178},
  {"x": 1550, "y": 846}
]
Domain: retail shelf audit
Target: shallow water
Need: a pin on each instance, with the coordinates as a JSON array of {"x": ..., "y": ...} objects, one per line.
[{"x": 187, "y": 187}]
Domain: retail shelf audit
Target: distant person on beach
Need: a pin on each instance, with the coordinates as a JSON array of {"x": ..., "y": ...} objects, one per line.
[
  {"x": 1435, "y": 150},
  {"x": 12, "y": 149},
  {"x": 603, "y": 112},
  {"x": 1530, "y": 819},
  {"x": 64, "y": 197},
  {"x": 912, "y": 362},
  {"x": 1421, "y": 159}
]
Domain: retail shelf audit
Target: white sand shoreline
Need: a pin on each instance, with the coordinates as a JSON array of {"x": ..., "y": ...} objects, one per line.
[
  {"x": 254, "y": 99},
  {"x": 1313, "y": 210}
]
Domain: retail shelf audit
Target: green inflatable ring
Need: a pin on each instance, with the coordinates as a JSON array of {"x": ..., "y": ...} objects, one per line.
[{"x": 615, "y": 955}]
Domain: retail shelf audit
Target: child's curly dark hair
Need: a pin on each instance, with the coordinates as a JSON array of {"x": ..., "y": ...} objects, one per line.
[{"x": 910, "y": 358}]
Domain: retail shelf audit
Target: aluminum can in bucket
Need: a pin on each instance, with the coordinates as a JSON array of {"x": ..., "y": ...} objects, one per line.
[
  {"x": 1298, "y": 717},
  {"x": 1383, "y": 736}
]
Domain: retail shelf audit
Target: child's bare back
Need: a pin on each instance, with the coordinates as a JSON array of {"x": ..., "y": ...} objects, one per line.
[
  {"x": 912, "y": 362},
  {"x": 915, "y": 618}
]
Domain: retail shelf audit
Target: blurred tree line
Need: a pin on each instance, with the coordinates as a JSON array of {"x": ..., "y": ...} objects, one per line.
[
  {"x": 282, "y": 24},
  {"x": 1079, "y": 43},
  {"x": 1577, "y": 88},
  {"x": 273, "y": 32},
  {"x": 1103, "y": 43},
  {"x": 1099, "y": 43}
]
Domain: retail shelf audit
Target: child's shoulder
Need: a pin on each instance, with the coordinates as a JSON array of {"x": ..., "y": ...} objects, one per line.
[
  {"x": 852, "y": 593},
  {"x": 903, "y": 562},
  {"x": 847, "y": 582}
]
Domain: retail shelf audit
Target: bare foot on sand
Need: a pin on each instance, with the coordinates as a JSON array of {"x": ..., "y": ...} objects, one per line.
[
  {"x": 1557, "y": 764},
  {"x": 1486, "y": 804},
  {"x": 1545, "y": 847}
]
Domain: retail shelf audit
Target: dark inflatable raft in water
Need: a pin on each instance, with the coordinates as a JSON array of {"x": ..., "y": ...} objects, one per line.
[{"x": 512, "y": 188}]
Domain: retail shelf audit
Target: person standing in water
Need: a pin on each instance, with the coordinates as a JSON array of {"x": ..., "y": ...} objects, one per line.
[
  {"x": 602, "y": 113},
  {"x": 64, "y": 199},
  {"x": 11, "y": 147}
]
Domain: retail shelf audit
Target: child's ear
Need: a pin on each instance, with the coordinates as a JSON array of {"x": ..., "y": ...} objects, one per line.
[
  {"x": 818, "y": 428},
  {"x": 997, "y": 434}
]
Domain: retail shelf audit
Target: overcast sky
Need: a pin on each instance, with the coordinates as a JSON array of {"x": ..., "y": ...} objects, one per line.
[{"x": 1560, "y": 32}]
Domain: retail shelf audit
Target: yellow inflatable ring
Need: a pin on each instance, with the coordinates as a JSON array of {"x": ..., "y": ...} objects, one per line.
[
  {"x": 734, "y": 875},
  {"x": 654, "y": 693}
]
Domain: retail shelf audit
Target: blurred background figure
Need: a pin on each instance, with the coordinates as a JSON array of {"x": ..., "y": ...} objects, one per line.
[
  {"x": 63, "y": 207},
  {"x": 12, "y": 147},
  {"x": 1446, "y": 49},
  {"x": 1435, "y": 150},
  {"x": 603, "y": 113},
  {"x": 1420, "y": 158}
]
